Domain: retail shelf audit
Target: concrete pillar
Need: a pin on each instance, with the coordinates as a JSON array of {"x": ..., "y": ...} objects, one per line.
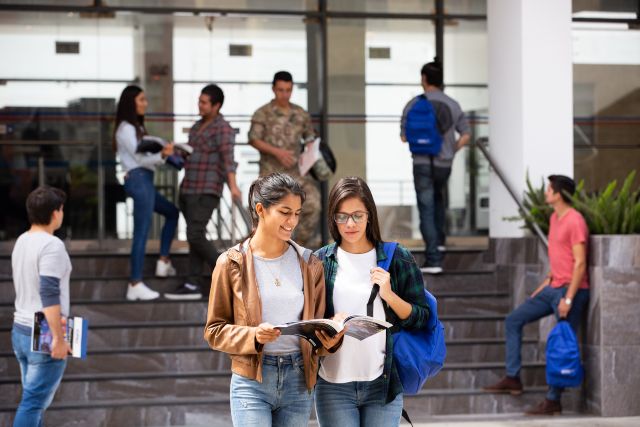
[
  {"x": 530, "y": 99},
  {"x": 153, "y": 65},
  {"x": 346, "y": 80}
]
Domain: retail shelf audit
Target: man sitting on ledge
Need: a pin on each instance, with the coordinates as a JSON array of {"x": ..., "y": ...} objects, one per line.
[{"x": 564, "y": 292}]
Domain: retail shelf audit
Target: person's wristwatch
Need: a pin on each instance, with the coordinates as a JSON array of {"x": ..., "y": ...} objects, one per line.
[{"x": 567, "y": 301}]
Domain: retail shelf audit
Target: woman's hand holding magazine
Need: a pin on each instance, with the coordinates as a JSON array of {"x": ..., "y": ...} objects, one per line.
[{"x": 356, "y": 326}]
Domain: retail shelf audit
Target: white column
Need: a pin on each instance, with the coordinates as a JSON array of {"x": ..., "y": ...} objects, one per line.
[{"x": 530, "y": 99}]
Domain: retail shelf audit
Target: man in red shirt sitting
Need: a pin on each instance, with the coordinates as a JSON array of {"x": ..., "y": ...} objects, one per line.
[{"x": 564, "y": 292}]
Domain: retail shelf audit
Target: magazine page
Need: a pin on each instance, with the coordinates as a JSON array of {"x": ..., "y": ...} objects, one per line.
[
  {"x": 307, "y": 329},
  {"x": 362, "y": 327},
  {"x": 309, "y": 156}
]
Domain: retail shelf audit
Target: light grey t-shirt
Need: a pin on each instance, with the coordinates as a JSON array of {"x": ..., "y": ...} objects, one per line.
[
  {"x": 284, "y": 303},
  {"x": 459, "y": 125},
  {"x": 38, "y": 254}
]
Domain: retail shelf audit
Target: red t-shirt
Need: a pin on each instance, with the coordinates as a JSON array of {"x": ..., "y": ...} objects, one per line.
[{"x": 564, "y": 233}]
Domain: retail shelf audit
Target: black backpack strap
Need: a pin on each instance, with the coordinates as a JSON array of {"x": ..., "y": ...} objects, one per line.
[
  {"x": 406, "y": 416},
  {"x": 374, "y": 293}
]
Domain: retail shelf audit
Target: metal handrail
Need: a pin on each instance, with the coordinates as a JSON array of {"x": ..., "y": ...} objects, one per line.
[
  {"x": 481, "y": 145},
  {"x": 237, "y": 216}
]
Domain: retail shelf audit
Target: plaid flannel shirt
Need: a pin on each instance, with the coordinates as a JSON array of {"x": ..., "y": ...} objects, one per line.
[
  {"x": 207, "y": 167},
  {"x": 406, "y": 281}
]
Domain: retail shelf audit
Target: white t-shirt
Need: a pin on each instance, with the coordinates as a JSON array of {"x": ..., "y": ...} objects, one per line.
[
  {"x": 355, "y": 360},
  {"x": 38, "y": 254}
]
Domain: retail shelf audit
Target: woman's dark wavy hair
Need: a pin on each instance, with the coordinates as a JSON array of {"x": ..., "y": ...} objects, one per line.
[
  {"x": 346, "y": 188},
  {"x": 270, "y": 190},
  {"x": 126, "y": 112}
]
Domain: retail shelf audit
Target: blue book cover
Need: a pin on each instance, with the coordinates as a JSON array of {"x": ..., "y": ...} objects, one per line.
[{"x": 76, "y": 335}]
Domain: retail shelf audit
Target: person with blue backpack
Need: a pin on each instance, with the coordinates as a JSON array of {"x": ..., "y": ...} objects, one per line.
[
  {"x": 359, "y": 384},
  {"x": 564, "y": 292},
  {"x": 429, "y": 123}
]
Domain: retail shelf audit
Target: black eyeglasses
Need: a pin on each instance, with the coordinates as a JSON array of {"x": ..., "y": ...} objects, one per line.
[{"x": 357, "y": 217}]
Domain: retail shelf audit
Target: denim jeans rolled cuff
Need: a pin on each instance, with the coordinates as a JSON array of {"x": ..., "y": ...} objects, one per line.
[
  {"x": 40, "y": 376},
  {"x": 146, "y": 200},
  {"x": 356, "y": 403},
  {"x": 281, "y": 400}
]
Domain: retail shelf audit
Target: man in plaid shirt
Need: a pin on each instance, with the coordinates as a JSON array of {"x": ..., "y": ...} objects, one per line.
[{"x": 206, "y": 170}]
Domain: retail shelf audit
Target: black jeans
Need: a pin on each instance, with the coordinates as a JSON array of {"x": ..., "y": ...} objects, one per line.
[{"x": 197, "y": 210}]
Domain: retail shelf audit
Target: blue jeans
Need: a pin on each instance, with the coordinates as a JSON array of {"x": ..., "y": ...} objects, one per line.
[
  {"x": 431, "y": 192},
  {"x": 355, "y": 404},
  {"x": 282, "y": 399},
  {"x": 139, "y": 186},
  {"x": 543, "y": 304},
  {"x": 40, "y": 375}
]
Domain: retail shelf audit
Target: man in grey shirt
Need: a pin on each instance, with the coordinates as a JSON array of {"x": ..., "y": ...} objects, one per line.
[
  {"x": 41, "y": 270},
  {"x": 431, "y": 173}
]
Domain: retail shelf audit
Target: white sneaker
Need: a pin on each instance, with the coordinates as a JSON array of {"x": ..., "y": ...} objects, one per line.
[
  {"x": 165, "y": 269},
  {"x": 431, "y": 270},
  {"x": 442, "y": 248},
  {"x": 141, "y": 292}
]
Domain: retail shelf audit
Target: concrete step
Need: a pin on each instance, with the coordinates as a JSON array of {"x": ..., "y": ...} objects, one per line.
[
  {"x": 462, "y": 259},
  {"x": 213, "y": 410},
  {"x": 87, "y": 387},
  {"x": 473, "y": 303},
  {"x": 484, "y": 280},
  {"x": 101, "y": 264},
  {"x": 100, "y": 288}
]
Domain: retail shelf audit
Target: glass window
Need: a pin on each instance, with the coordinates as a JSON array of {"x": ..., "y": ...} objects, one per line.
[
  {"x": 606, "y": 75},
  {"x": 381, "y": 6},
  {"x": 465, "y": 7},
  {"x": 586, "y": 6}
]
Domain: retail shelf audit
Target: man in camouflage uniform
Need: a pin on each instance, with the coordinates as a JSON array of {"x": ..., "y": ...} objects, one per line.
[{"x": 278, "y": 130}]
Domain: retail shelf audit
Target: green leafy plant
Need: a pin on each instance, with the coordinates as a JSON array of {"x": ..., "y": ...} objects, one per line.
[{"x": 606, "y": 212}]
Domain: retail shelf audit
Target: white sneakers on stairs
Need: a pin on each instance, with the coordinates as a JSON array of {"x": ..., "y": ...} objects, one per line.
[
  {"x": 165, "y": 269},
  {"x": 140, "y": 291}
]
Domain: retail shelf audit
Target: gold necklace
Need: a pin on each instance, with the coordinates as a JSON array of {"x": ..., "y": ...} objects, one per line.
[{"x": 276, "y": 278}]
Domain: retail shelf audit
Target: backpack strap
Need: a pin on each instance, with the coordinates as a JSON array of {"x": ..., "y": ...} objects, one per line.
[{"x": 389, "y": 250}]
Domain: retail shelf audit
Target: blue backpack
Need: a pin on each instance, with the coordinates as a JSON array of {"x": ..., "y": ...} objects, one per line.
[
  {"x": 563, "y": 357},
  {"x": 418, "y": 355},
  {"x": 421, "y": 128}
]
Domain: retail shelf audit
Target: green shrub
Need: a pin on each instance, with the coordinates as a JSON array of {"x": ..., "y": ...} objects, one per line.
[{"x": 606, "y": 212}]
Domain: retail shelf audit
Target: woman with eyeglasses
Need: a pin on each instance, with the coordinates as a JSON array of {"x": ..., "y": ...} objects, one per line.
[{"x": 358, "y": 385}]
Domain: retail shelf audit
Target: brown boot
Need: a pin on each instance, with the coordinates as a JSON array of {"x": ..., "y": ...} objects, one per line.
[
  {"x": 506, "y": 385},
  {"x": 546, "y": 407}
]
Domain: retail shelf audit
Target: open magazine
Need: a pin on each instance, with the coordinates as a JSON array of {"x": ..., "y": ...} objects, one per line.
[
  {"x": 76, "y": 335},
  {"x": 154, "y": 144},
  {"x": 358, "y": 326}
]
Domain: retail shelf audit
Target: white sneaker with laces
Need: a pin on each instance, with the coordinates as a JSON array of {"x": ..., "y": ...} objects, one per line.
[
  {"x": 165, "y": 269},
  {"x": 141, "y": 292},
  {"x": 431, "y": 270}
]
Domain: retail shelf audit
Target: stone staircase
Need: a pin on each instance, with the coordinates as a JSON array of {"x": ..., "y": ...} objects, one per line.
[{"x": 149, "y": 365}]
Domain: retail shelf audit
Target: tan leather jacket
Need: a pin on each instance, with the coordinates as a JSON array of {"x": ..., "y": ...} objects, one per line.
[{"x": 235, "y": 311}]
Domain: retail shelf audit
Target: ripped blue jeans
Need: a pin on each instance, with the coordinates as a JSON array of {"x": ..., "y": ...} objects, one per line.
[{"x": 281, "y": 400}]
